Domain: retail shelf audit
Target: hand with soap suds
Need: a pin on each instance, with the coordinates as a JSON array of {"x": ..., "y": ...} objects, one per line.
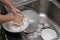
[{"x": 18, "y": 19}]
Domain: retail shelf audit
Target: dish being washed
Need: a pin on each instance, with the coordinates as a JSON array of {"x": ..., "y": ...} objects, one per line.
[{"x": 13, "y": 27}]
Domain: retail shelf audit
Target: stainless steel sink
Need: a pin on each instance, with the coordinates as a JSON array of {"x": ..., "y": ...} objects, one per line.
[
  {"x": 51, "y": 24},
  {"x": 53, "y": 16},
  {"x": 54, "y": 11}
]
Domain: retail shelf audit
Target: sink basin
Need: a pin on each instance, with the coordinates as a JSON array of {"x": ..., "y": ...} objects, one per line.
[
  {"x": 52, "y": 26},
  {"x": 53, "y": 18}
]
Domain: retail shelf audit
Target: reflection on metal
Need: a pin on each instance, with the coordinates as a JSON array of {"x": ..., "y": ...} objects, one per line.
[
  {"x": 21, "y": 2},
  {"x": 42, "y": 15},
  {"x": 55, "y": 3}
]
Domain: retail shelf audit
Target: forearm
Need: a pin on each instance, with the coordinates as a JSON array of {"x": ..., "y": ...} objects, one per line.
[
  {"x": 5, "y": 18},
  {"x": 8, "y": 3}
]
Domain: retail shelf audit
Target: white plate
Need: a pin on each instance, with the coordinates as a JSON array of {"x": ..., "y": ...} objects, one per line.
[
  {"x": 33, "y": 17},
  {"x": 12, "y": 28}
]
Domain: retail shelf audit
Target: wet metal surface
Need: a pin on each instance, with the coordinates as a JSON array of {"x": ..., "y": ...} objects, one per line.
[{"x": 45, "y": 23}]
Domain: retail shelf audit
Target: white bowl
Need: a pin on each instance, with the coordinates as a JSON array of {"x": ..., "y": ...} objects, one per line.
[{"x": 48, "y": 34}]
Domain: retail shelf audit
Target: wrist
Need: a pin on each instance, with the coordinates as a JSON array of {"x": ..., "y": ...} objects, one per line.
[{"x": 12, "y": 7}]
